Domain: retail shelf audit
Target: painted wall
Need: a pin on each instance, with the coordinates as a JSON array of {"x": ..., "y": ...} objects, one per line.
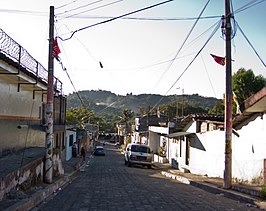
[
  {"x": 249, "y": 149},
  {"x": 19, "y": 109},
  {"x": 207, "y": 152}
]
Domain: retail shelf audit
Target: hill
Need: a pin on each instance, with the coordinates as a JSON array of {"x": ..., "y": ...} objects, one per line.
[{"x": 107, "y": 103}]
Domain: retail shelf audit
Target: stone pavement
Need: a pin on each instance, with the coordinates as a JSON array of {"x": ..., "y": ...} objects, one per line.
[{"x": 27, "y": 200}]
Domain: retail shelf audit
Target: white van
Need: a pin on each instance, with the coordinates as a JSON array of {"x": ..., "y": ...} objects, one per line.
[{"x": 138, "y": 154}]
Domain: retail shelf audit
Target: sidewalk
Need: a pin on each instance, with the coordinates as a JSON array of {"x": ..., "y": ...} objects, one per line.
[
  {"x": 250, "y": 194},
  {"x": 25, "y": 200}
]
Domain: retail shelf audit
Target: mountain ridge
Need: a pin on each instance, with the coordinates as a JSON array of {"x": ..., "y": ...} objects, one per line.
[{"x": 99, "y": 100}]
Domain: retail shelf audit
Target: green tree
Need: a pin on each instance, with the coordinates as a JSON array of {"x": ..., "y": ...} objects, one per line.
[
  {"x": 126, "y": 118},
  {"x": 245, "y": 84},
  {"x": 218, "y": 108},
  {"x": 78, "y": 116}
]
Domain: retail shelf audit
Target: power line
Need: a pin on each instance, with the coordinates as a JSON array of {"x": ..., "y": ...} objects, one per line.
[
  {"x": 255, "y": 51},
  {"x": 92, "y": 9},
  {"x": 91, "y": 3},
  {"x": 249, "y": 5},
  {"x": 182, "y": 45},
  {"x": 64, "y": 5},
  {"x": 112, "y": 19},
  {"x": 214, "y": 31},
  {"x": 150, "y": 19}
]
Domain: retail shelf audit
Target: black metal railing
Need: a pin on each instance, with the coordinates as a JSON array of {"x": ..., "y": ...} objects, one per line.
[{"x": 18, "y": 54}]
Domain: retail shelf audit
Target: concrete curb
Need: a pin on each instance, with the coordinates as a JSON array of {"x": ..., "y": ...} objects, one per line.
[{"x": 214, "y": 189}]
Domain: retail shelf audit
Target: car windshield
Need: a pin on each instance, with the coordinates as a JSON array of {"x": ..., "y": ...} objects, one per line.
[{"x": 139, "y": 148}]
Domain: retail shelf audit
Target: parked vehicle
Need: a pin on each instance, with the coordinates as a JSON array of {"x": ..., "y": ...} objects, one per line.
[
  {"x": 138, "y": 154},
  {"x": 99, "y": 150}
]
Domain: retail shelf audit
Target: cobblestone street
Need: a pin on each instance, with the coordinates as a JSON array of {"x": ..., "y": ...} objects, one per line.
[{"x": 105, "y": 183}]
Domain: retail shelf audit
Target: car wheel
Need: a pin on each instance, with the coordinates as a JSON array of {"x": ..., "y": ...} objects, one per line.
[{"x": 149, "y": 166}]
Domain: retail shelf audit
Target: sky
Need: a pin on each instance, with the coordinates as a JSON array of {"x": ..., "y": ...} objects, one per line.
[{"x": 149, "y": 52}]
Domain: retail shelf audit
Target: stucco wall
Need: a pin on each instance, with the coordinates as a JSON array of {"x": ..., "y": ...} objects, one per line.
[
  {"x": 207, "y": 152},
  {"x": 19, "y": 109},
  {"x": 249, "y": 149}
]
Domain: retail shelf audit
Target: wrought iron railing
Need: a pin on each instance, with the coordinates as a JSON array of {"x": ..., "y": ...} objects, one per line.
[{"x": 18, "y": 54}]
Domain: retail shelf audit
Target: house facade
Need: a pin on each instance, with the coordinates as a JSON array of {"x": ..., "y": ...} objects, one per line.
[
  {"x": 198, "y": 143},
  {"x": 23, "y": 87}
]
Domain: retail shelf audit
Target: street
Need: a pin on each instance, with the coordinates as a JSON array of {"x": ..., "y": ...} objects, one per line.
[{"x": 106, "y": 183}]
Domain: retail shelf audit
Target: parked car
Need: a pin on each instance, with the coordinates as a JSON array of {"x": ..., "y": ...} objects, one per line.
[
  {"x": 138, "y": 154},
  {"x": 99, "y": 150}
]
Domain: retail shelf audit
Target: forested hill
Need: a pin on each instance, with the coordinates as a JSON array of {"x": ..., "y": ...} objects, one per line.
[{"x": 105, "y": 101}]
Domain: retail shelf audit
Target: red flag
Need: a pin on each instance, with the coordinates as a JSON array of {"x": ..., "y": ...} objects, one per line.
[
  {"x": 56, "y": 49},
  {"x": 218, "y": 59}
]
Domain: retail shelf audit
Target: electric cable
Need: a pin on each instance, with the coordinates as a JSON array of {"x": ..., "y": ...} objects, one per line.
[
  {"x": 112, "y": 19},
  {"x": 213, "y": 33},
  {"x": 182, "y": 45},
  {"x": 150, "y": 19},
  {"x": 249, "y": 5},
  {"x": 91, "y": 3},
  {"x": 205, "y": 67},
  {"x": 99, "y": 7},
  {"x": 255, "y": 51},
  {"x": 25, "y": 145},
  {"x": 64, "y": 5}
]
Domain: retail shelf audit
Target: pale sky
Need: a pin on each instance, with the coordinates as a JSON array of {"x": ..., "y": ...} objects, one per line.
[{"x": 136, "y": 54}]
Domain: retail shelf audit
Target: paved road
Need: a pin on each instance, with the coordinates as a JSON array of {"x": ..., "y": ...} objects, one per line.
[{"x": 107, "y": 184}]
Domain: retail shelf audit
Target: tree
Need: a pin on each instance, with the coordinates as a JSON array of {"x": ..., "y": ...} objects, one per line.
[
  {"x": 78, "y": 116},
  {"x": 126, "y": 117},
  {"x": 245, "y": 84}
]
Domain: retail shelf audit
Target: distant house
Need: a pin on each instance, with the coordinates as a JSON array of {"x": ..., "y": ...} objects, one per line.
[{"x": 143, "y": 124}]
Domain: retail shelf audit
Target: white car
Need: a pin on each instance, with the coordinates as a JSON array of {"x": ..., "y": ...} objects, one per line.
[{"x": 138, "y": 154}]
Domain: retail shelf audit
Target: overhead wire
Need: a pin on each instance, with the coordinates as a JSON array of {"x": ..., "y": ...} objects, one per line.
[
  {"x": 205, "y": 67},
  {"x": 112, "y": 19},
  {"x": 79, "y": 7},
  {"x": 182, "y": 45},
  {"x": 249, "y": 5},
  {"x": 213, "y": 33},
  {"x": 65, "y": 70},
  {"x": 253, "y": 48},
  {"x": 99, "y": 7},
  {"x": 64, "y": 5},
  {"x": 149, "y": 19}
]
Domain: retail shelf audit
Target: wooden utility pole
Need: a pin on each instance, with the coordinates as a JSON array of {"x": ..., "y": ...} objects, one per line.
[
  {"x": 48, "y": 177},
  {"x": 228, "y": 100}
]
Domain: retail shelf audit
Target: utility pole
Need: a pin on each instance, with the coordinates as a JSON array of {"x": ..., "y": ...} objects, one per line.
[
  {"x": 228, "y": 100},
  {"x": 48, "y": 177}
]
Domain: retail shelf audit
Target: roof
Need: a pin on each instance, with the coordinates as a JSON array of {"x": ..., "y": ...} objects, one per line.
[
  {"x": 252, "y": 107},
  {"x": 198, "y": 117}
]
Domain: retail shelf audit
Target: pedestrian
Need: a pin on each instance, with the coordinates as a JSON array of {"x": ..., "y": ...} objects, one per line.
[{"x": 83, "y": 153}]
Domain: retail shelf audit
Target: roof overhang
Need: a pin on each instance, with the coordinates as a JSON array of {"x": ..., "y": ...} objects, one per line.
[{"x": 177, "y": 134}]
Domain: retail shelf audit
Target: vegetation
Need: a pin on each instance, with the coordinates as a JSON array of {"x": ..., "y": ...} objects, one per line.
[
  {"x": 245, "y": 84},
  {"x": 107, "y": 109}
]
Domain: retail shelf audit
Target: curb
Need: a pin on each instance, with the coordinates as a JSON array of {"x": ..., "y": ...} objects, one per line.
[{"x": 214, "y": 189}]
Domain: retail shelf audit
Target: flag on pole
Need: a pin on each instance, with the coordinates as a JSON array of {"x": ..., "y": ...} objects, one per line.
[
  {"x": 56, "y": 49},
  {"x": 218, "y": 59}
]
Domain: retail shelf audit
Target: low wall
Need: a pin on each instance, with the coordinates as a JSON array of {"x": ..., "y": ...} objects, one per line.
[{"x": 29, "y": 175}]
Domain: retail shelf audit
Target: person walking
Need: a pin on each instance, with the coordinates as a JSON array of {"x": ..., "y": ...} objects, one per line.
[{"x": 83, "y": 153}]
